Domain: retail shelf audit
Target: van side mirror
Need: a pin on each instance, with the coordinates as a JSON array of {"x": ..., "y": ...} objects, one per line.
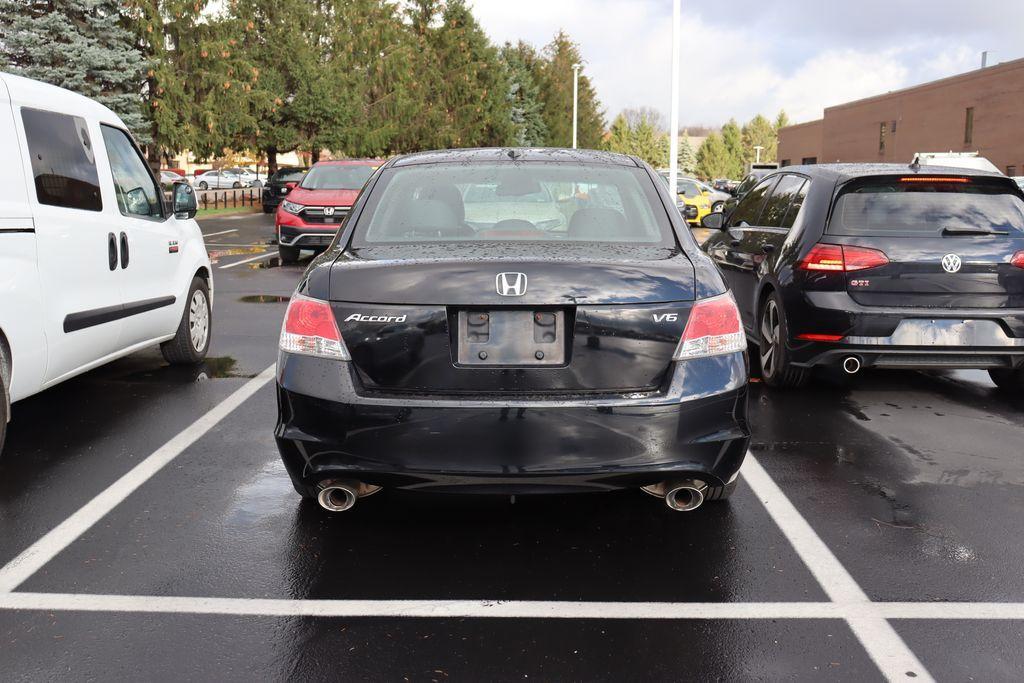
[
  {"x": 184, "y": 201},
  {"x": 714, "y": 221}
]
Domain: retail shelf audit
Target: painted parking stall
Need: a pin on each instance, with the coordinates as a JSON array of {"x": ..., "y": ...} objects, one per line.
[{"x": 859, "y": 545}]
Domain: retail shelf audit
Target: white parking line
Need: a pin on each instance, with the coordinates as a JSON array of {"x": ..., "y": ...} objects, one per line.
[
  {"x": 248, "y": 260},
  {"x": 15, "y": 572},
  {"x": 222, "y": 232},
  {"x": 885, "y": 647},
  {"x": 511, "y": 609}
]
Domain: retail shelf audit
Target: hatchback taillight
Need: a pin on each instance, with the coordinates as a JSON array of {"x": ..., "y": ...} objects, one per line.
[
  {"x": 713, "y": 329},
  {"x": 842, "y": 258},
  {"x": 1018, "y": 259},
  {"x": 310, "y": 329}
]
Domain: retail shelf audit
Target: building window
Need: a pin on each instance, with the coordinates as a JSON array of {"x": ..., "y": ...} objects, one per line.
[
  {"x": 785, "y": 162},
  {"x": 892, "y": 128},
  {"x": 807, "y": 161},
  {"x": 881, "y": 138},
  {"x": 969, "y": 126},
  {"x": 1011, "y": 171}
]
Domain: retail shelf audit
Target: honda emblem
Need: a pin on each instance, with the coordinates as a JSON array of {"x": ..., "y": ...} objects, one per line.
[{"x": 510, "y": 284}]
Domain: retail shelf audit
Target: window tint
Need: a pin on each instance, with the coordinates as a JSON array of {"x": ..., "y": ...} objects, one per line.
[
  {"x": 487, "y": 202},
  {"x": 749, "y": 209},
  {"x": 290, "y": 175},
  {"x": 337, "y": 177},
  {"x": 137, "y": 194},
  {"x": 911, "y": 208},
  {"x": 63, "y": 162},
  {"x": 747, "y": 183},
  {"x": 777, "y": 206},
  {"x": 796, "y": 205}
]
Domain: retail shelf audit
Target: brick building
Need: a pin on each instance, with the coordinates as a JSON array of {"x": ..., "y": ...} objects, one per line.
[{"x": 979, "y": 111}]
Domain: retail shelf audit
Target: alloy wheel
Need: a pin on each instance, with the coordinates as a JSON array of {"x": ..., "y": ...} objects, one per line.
[
  {"x": 198, "y": 320},
  {"x": 770, "y": 334}
]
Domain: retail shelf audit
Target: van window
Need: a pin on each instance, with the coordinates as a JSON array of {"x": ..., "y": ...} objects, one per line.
[
  {"x": 137, "y": 192},
  {"x": 63, "y": 162},
  {"x": 778, "y": 204},
  {"x": 920, "y": 206}
]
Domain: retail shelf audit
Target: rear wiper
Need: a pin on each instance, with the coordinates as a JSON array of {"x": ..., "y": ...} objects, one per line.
[{"x": 972, "y": 231}]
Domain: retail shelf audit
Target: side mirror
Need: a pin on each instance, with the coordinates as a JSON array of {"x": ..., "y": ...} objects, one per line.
[
  {"x": 291, "y": 184},
  {"x": 137, "y": 202},
  {"x": 714, "y": 221},
  {"x": 185, "y": 204}
]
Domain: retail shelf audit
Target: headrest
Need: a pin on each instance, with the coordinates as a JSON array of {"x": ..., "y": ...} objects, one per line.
[{"x": 597, "y": 224}]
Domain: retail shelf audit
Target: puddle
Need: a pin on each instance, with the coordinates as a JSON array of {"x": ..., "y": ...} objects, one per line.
[{"x": 263, "y": 299}]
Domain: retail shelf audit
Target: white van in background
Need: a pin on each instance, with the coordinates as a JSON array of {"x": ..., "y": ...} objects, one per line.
[
  {"x": 972, "y": 160},
  {"x": 94, "y": 263}
]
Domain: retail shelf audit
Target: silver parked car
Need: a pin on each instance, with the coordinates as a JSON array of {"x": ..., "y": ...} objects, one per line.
[{"x": 220, "y": 180}]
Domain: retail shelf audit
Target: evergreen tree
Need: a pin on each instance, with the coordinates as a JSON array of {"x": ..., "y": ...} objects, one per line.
[
  {"x": 759, "y": 132},
  {"x": 556, "y": 93},
  {"x": 732, "y": 138},
  {"x": 687, "y": 158},
  {"x": 642, "y": 138},
  {"x": 81, "y": 45},
  {"x": 714, "y": 159},
  {"x": 521, "y": 64},
  {"x": 781, "y": 120}
]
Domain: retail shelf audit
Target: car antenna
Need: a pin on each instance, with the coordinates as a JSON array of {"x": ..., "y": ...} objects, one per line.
[{"x": 915, "y": 165}]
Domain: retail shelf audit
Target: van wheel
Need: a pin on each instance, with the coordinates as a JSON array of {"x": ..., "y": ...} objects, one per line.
[
  {"x": 1008, "y": 380},
  {"x": 776, "y": 369},
  {"x": 192, "y": 341},
  {"x": 289, "y": 255}
]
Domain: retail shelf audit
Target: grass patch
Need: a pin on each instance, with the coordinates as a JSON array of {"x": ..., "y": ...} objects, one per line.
[{"x": 206, "y": 213}]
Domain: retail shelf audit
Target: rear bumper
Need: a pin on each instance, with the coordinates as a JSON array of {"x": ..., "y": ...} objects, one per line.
[
  {"x": 327, "y": 429},
  {"x": 905, "y": 337}
]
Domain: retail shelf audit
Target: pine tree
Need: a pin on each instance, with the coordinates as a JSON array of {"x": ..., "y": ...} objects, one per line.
[
  {"x": 714, "y": 159},
  {"x": 687, "y": 158},
  {"x": 81, "y": 45},
  {"x": 781, "y": 120},
  {"x": 521, "y": 65},
  {"x": 760, "y": 132},
  {"x": 732, "y": 138},
  {"x": 556, "y": 93}
]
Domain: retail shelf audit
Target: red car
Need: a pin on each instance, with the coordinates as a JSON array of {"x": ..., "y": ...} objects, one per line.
[{"x": 310, "y": 216}]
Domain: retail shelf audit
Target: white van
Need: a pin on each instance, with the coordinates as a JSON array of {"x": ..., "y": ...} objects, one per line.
[{"x": 94, "y": 263}]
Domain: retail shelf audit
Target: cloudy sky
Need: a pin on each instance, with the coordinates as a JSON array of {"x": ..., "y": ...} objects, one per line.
[{"x": 741, "y": 57}]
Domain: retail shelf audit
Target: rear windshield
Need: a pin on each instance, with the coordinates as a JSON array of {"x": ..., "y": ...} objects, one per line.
[
  {"x": 527, "y": 201},
  {"x": 337, "y": 177},
  {"x": 291, "y": 175},
  {"x": 915, "y": 207}
]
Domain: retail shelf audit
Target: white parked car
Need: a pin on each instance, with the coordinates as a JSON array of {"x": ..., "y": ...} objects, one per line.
[
  {"x": 249, "y": 177},
  {"x": 220, "y": 180},
  {"x": 94, "y": 264}
]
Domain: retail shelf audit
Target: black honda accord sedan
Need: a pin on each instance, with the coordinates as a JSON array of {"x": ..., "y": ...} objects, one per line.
[
  {"x": 880, "y": 265},
  {"x": 515, "y": 322}
]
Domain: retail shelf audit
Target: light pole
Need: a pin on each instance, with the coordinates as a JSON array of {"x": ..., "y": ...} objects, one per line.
[
  {"x": 673, "y": 119},
  {"x": 575, "y": 101},
  {"x": 757, "y": 151}
]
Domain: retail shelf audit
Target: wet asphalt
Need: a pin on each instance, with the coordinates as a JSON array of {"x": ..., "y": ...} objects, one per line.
[{"x": 912, "y": 480}]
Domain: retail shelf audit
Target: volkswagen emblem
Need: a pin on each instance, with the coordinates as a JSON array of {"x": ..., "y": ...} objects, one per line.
[
  {"x": 328, "y": 210},
  {"x": 951, "y": 263},
  {"x": 510, "y": 284}
]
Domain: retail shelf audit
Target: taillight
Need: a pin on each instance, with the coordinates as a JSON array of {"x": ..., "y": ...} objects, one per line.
[
  {"x": 842, "y": 258},
  {"x": 713, "y": 329},
  {"x": 310, "y": 329},
  {"x": 1018, "y": 259}
]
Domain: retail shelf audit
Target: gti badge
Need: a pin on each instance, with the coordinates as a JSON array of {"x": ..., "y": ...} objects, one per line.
[
  {"x": 951, "y": 263},
  {"x": 328, "y": 210},
  {"x": 510, "y": 284}
]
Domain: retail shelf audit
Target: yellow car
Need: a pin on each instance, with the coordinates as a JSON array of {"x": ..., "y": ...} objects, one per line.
[{"x": 691, "y": 194}]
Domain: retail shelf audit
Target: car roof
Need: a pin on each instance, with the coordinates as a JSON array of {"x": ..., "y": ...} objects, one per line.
[
  {"x": 844, "y": 172},
  {"x": 492, "y": 154},
  {"x": 349, "y": 162},
  {"x": 27, "y": 92}
]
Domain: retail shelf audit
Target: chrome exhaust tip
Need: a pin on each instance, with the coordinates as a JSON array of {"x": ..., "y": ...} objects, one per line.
[
  {"x": 337, "y": 495},
  {"x": 685, "y": 496},
  {"x": 851, "y": 365}
]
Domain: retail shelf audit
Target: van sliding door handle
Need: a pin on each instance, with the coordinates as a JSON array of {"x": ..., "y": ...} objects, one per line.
[
  {"x": 112, "y": 251},
  {"x": 124, "y": 250}
]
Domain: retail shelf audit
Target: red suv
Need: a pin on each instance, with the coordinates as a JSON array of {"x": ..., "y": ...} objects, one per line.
[{"x": 310, "y": 216}]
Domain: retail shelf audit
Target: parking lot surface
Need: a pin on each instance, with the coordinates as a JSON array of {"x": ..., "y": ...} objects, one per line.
[{"x": 148, "y": 530}]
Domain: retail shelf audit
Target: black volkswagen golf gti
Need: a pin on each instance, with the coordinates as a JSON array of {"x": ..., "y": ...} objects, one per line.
[
  {"x": 513, "y": 321},
  {"x": 850, "y": 266}
]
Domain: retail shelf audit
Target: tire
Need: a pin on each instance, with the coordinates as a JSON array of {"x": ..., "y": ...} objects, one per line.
[
  {"x": 289, "y": 255},
  {"x": 192, "y": 340},
  {"x": 718, "y": 207},
  {"x": 235, "y": 185},
  {"x": 776, "y": 369},
  {"x": 203, "y": 185},
  {"x": 268, "y": 209},
  {"x": 1008, "y": 380},
  {"x": 3, "y": 410}
]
